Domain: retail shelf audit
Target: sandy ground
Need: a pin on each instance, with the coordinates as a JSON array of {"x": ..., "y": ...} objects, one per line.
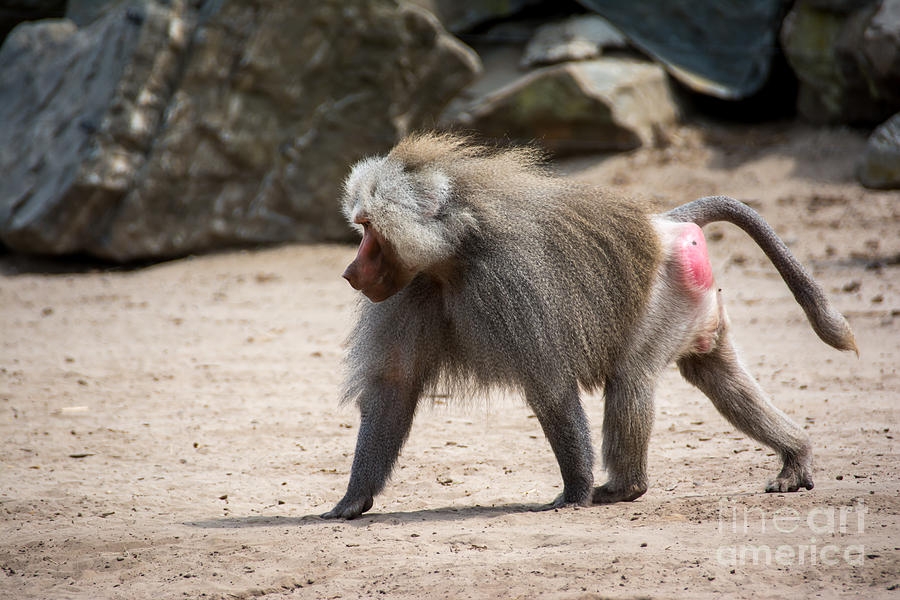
[{"x": 173, "y": 431}]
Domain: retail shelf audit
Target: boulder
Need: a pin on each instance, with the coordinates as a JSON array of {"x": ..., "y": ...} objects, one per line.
[
  {"x": 880, "y": 165},
  {"x": 606, "y": 104},
  {"x": 85, "y": 12},
  {"x": 848, "y": 63},
  {"x": 880, "y": 51},
  {"x": 577, "y": 38},
  {"x": 78, "y": 113},
  {"x": 157, "y": 132},
  {"x": 723, "y": 48}
]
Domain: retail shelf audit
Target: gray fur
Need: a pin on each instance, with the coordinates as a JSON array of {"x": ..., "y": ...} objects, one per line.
[{"x": 529, "y": 282}]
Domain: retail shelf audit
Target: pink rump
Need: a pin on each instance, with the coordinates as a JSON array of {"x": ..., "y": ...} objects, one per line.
[{"x": 695, "y": 268}]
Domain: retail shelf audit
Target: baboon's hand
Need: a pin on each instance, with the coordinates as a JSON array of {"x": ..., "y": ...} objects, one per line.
[{"x": 349, "y": 508}]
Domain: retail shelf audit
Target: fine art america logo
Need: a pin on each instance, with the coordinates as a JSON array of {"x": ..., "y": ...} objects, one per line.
[{"x": 821, "y": 534}]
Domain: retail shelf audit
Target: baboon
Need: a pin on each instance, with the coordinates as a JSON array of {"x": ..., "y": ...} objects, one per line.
[{"x": 484, "y": 269}]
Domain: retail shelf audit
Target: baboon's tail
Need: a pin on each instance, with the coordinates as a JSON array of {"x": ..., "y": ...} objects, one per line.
[{"x": 826, "y": 321}]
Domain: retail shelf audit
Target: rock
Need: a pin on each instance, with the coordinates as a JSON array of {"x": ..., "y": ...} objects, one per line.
[
  {"x": 78, "y": 112},
  {"x": 85, "y": 12},
  {"x": 577, "y": 38},
  {"x": 880, "y": 165},
  {"x": 13, "y": 12},
  {"x": 597, "y": 105},
  {"x": 880, "y": 50},
  {"x": 210, "y": 130},
  {"x": 848, "y": 64},
  {"x": 459, "y": 16},
  {"x": 723, "y": 48},
  {"x": 270, "y": 114}
]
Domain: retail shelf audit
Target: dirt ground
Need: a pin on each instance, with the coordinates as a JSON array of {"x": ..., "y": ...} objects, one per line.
[{"x": 173, "y": 431}]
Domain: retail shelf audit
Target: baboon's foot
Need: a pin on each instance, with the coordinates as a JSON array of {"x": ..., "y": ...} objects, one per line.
[
  {"x": 563, "y": 502},
  {"x": 607, "y": 493},
  {"x": 795, "y": 474}
]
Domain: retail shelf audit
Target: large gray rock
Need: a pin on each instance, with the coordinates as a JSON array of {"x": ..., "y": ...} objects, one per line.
[
  {"x": 78, "y": 113},
  {"x": 85, "y": 12},
  {"x": 723, "y": 48},
  {"x": 848, "y": 63},
  {"x": 597, "y": 105},
  {"x": 880, "y": 165},
  {"x": 145, "y": 135},
  {"x": 880, "y": 47}
]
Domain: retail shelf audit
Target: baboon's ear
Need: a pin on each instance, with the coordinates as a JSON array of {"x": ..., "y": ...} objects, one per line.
[{"x": 435, "y": 191}]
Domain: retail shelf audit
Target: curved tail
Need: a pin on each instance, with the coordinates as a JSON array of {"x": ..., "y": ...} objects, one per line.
[{"x": 826, "y": 321}]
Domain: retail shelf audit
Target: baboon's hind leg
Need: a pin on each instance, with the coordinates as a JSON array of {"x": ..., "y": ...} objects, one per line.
[
  {"x": 627, "y": 423},
  {"x": 737, "y": 395}
]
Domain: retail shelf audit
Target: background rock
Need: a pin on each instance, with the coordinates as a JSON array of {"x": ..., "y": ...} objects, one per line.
[
  {"x": 880, "y": 48},
  {"x": 132, "y": 138},
  {"x": 85, "y": 12},
  {"x": 880, "y": 166},
  {"x": 723, "y": 48},
  {"x": 157, "y": 128},
  {"x": 597, "y": 105},
  {"x": 848, "y": 64},
  {"x": 577, "y": 38},
  {"x": 78, "y": 112}
]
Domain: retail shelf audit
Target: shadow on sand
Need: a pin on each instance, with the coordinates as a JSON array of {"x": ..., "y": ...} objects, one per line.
[{"x": 436, "y": 514}]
